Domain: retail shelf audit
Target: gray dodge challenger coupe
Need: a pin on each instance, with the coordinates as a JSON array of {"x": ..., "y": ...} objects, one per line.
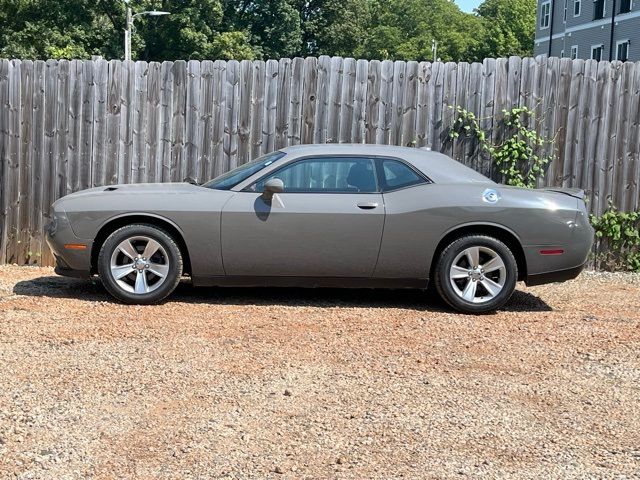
[{"x": 326, "y": 216}]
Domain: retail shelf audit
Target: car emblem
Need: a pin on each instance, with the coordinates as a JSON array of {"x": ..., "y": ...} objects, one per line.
[{"x": 490, "y": 195}]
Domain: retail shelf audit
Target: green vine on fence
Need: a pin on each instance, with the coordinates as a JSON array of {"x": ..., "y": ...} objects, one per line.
[
  {"x": 617, "y": 240},
  {"x": 516, "y": 156}
]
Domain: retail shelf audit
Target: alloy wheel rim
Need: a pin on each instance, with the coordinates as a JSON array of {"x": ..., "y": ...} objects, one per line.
[
  {"x": 478, "y": 274},
  {"x": 139, "y": 265}
]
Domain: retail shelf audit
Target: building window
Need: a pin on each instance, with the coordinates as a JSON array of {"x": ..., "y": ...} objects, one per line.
[
  {"x": 622, "y": 51},
  {"x": 574, "y": 52},
  {"x": 561, "y": 53},
  {"x": 599, "y": 9},
  {"x": 596, "y": 52},
  {"x": 545, "y": 14},
  {"x": 577, "y": 8},
  {"x": 626, "y": 6},
  {"x": 564, "y": 16}
]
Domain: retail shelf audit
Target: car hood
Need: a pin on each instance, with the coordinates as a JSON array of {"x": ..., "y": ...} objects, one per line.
[{"x": 142, "y": 188}]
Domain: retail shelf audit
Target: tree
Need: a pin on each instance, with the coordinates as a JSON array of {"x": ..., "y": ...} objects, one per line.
[
  {"x": 82, "y": 28},
  {"x": 404, "y": 30},
  {"x": 273, "y": 26},
  {"x": 334, "y": 27},
  {"x": 510, "y": 27}
]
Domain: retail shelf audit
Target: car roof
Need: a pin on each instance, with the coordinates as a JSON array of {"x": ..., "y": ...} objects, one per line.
[{"x": 438, "y": 167}]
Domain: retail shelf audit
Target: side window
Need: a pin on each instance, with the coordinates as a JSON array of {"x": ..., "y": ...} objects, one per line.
[
  {"x": 397, "y": 175},
  {"x": 325, "y": 175}
]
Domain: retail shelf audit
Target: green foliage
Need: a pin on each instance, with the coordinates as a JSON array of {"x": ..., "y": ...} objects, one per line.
[
  {"x": 509, "y": 27},
  {"x": 404, "y": 30},
  {"x": 246, "y": 29},
  {"x": 516, "y": 156},
  {"x": 617, "y": 240}
]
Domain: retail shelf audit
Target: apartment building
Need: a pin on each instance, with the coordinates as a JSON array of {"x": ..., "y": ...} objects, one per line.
[{"x": 597, "y": 29}]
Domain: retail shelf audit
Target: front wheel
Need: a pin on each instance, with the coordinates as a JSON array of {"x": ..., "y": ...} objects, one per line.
[
  {"x": 140, "y": 264},
  {"x": 476, "y": 274}
]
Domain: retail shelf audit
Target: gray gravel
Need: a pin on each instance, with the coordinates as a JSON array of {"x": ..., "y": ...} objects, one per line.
[{"x": 317, "y": 384}]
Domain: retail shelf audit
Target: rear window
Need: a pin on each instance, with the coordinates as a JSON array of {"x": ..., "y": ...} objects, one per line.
[{"x": 397, "y": 175}]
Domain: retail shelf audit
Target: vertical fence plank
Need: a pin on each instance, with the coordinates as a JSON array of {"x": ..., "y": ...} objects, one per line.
[
  {"x": 309, "y": 99},
  {"x": 624, "y": 99},
  {"x": 98, "y": 169},
  {"x": 257, "y": 107},
  {"x": 154, "y": 125},
  {"x": 372, "y": 116},
  {"x": 573, "y": 124},
  {"x": 424, "y": 108},
  {"x": 606, "y": 89},
  {"x": 193, "y": 127},
  {"x": 409, "y": 109},
  {"x": 38, "y": 210},
  {"x": 283, "y": 100},
  {"x": 335, "y": 100},
  {"x": 632, "y": 186},
  {"x": 386, "y": 103},
  {"x": 613, "y": 106},
  {"x": 320, "y": 126},
  {"x": 294, "y": 119},
  {"x": 49, "y": 161},
  {"x": 206, "y": 112},
  {"x": 270, "y": 105},
  {"x": 219, "y": 80},
  {"x": 244, "y": 115},
  {"x": 230, "y": 142},
  {"x": 114, "y": 80},
  {"x": 178, "y": 127},
  {"x": 75, "y": 125},
  {"x": 347, "y": 100},
  {"x": 166, "y": 114},
  {"x": 12, "y": 171},
  {"x": 399, "y": 71},
  {"x": 473, "y": 104},
  {"x": 461, "y": 94},
  {"x": 360, "y": 102},
  {"x": 4, "y": 155},
  {"x": 25, "y": 205},
  {"x": 125, "y": 131},
  {"x": 139, "y": 158},
  {"x": 561, "y": 112}
]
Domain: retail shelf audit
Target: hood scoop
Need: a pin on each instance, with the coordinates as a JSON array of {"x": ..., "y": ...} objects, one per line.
[{"x": 110, "y": 189}]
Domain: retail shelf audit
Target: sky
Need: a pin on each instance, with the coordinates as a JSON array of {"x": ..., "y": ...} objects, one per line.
[{"x": 468, "y": 5}]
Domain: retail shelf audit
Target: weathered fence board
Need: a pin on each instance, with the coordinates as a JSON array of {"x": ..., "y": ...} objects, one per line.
[{"x": 69, "y": 125}]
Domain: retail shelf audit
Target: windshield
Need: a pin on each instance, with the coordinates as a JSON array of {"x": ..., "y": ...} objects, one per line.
[{"x": 228, "y": 180}]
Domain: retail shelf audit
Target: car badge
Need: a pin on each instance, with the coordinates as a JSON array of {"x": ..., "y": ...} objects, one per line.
[{"x": 490, "y": 196}]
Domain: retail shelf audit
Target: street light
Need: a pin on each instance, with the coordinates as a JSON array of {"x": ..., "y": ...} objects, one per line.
[{"x": 129, "y": 30}]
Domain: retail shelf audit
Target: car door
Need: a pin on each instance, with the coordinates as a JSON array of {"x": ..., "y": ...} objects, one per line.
[{"x": 327, "y": 222}]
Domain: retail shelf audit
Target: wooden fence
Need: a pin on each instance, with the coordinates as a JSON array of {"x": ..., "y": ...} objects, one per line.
[{"x": 70, "y": 125}]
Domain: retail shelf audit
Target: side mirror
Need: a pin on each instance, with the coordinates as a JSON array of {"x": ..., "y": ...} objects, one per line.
[{"x": 274, "y": 185}]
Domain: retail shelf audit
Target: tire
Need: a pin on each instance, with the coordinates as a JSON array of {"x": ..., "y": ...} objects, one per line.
[
  {"x": 476, "y": 290},
  {"x": 132, "y": 278}
]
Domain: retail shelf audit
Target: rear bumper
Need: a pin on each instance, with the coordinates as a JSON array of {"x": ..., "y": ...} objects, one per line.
[{"x": 554, "y": 277}]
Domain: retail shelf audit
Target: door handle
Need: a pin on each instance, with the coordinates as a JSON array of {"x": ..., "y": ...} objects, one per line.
[{"x": 367, "y": 205}]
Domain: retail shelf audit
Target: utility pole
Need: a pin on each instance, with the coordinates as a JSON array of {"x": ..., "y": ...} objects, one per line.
[
  {"x": 128, "y": 32},
  {"x": 434, "y": 49}
]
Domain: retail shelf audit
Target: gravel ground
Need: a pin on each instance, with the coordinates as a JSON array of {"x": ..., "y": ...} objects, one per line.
[{"x": 264, "y": 383}]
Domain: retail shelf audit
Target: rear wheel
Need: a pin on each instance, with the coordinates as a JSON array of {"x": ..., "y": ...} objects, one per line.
[
  {"x": 476, "y": 274},
  {"x": 140, "y": 264}
]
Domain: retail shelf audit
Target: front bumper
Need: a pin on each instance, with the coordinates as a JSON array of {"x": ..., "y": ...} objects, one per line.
[{"x": 70, "y": 262}]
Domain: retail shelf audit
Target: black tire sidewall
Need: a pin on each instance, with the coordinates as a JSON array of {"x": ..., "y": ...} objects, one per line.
[
  {"x": 446, "y": 259},
  {"x": 159, "y": 235}
]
